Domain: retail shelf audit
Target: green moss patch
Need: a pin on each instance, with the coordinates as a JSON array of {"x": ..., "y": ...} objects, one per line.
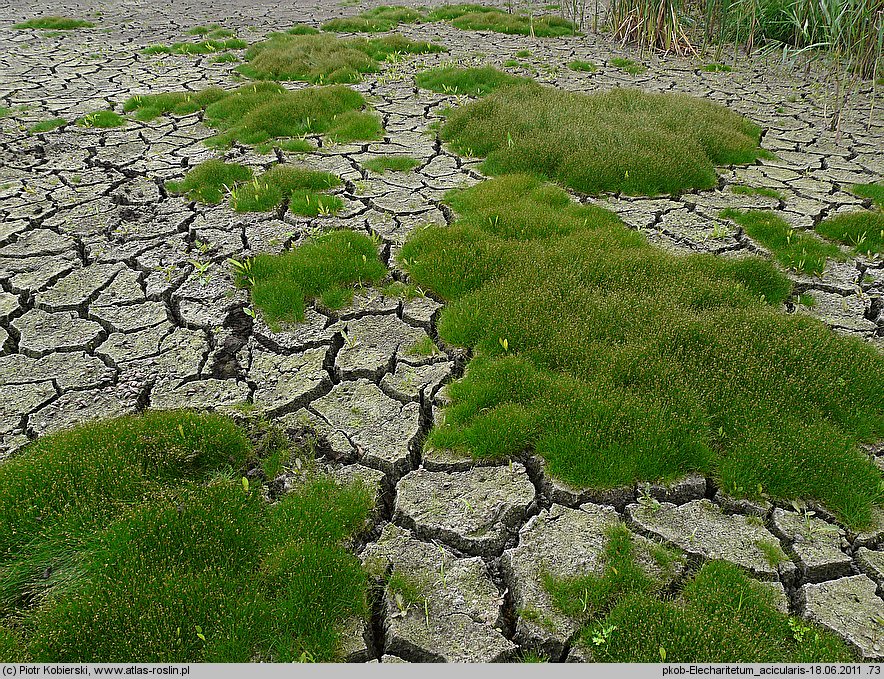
[
  {"x": 224, "y": 59},
  {"x": 54, "y": 23},
  {"x": 382, "y": 164},
  {"x": 618, "y": 362},
  {"x": 302, "y": 29},
  {"x": 102, "y": 119},
  {"x": 141, "y": 538},
  {"x": 324, "y": 267},
  {"x": 376, "y": 20},
  {"x": 267, "y": 112},
  {"x": 209, "y": 46},
  {"x": 211, "y": 31},
  {"x": 793, "y": 248},
  {"x": 449, "y": 12},
  {"x": 875, "y": 192},
  {"x": 47, "y": 125},
  {"x": 628, "y": 65},
  {"x": 324, "y": 58},
  {"x": 863, "y": 231},
  {"x": 300, "y": 187},
  {"x": 209, "y": 181},
  {"x": 585, "y": 66},
  {"x": 722, "y": 615},
  {"x": 474, "y": 81},
  {"x": 491, "y": 19},
  {"x": 620, "y": 140}
]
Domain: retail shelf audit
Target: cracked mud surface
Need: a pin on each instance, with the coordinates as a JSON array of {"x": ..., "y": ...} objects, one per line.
[{"x": 104, "y": 311}]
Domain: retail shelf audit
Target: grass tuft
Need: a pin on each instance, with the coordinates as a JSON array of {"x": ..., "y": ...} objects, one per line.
[
  {"x": 324, "y": 59},
  {"x": 208, "y": 181},
  {"x": 491, "y": 19},
  {"x": 211, "y": 31},
  {"x": 584, "y": 66},
  {"x": 473, "y": 81},
  {"x": 140, "y": 538},
  {"x": 619, "y": 362},
  {"x": 794, "y": 249},
  {"x": 47, "y": 125},
  {"x": 621, "y": 140},
  {"x": 299, "y": 186},
  {"x": 449, "y": 12},
  {"x": 628, "y": 65},
  {"x": 376, "y": 20},
  {"x": 102, "y": 119},
  {"x": 863, "y": 231},
  {"x": 324, "y": 267},
  {"x": 54, "y": 23},
  {"x": 874, "y": 192},
  {"x": 209, "y": 46},
  {"x": 382, "y": 164},
  {"x": 716, "y": 68},
  {"x": 266, "y": 112}
]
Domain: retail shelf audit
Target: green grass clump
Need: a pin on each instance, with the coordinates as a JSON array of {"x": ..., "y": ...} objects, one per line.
[
  {"x": 628, "y": 65},
  {"x": 208, "y": 181},
  {"x": 210, "y": 46},
  {"x": 863, "y": 231},
  {"x": 299, "y": 186},
  {"x": 325, "y": 58},
  {"x": 302, "y": 29},
  {"x": 449, "y": 12},
  {"x": 376, "y": 20},
  {"x": 744, "y": 190},
  {"x": 325, "y": 267},
  {"x": 54, "y": 23},
  {"x": 585, "y": 66},
  {"x": 382, "y": 164},
  {"x": 620, "y": 140},
  {"x": 147, "y": 107},
  {"x": 618, "y": 362},
  {"x": 716, "y": 68},
  {"x": 102, "y": 119},
  {"x": 794, "y": 249},
  {"x": 224, "y": 59},
  {"x": 47, "y": 125},
  {"x": 266, "y": 112},
  {"x": 129, "y": 539},
  {"x": 4, "y": 111},
  {"x": 474, "y": 81},
  {"x": 625, "y": 619},
  {"x": 721, "y": 616},
  {"x": 295, "y": 146},
  {"x": 875, "y": 192},
  {"x": 212, "y": 31},
  {"x": 513, "y": 24},
  {"x": 589, "y": 597}
]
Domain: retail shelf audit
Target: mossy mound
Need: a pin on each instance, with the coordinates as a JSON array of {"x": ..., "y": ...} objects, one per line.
[
  {"x": 375, "y": 20},
  {"x": 142, "y": 538},
  {"x": 54, "y": 23},
  {"x": 620, "y": 363},
  {"x": 264, "y": 112},
  {"x": 323, "y": 268},
  {"x": 324, "y": 58},
  {"x": 474, "y": 81},
  {"x": 622, "y": 140}
]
